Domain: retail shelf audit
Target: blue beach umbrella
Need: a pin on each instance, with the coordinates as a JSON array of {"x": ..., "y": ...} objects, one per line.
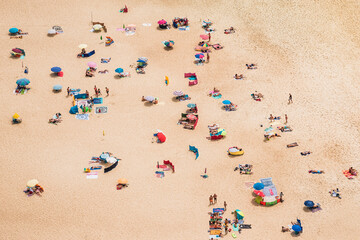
[
  {"x": 13, "y": 30},
  {"x": 119, "y": 70},
  {"x": 57, "y": 87},
  {"x": 309, "y": 203},
  {"x": 296, "y": 228},
  {"x": 226, "y": 102},
  {"x": 191, "y": 105},
  {"x": 23, "y": 81},
  {"x": 258, "y": 186},
  {"x": 141, "y": 61},
  {"x": 56, "y": 69}
]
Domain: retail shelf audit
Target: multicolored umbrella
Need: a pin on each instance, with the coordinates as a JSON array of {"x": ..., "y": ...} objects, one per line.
[
  {"x": 92, "y": 64},
  {"x": 13, "y": 30},
  {"x": 119, "y": 70},
  {"x": 23, "y": 82},
  {"x": 178, "y": 93},
  {"x": 191, "y": 117},
  {"x": 162, "y": 22},
  {"x": 205, "y": 45},
  {"x": 56, "y": 69},
  {"x": 199, "y": 55}
]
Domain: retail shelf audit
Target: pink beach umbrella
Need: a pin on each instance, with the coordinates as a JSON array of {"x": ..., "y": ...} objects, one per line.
[
  {"x": 92, "y": 64},
  {"x": 162, "y": 22},
  {"x": 204, "y": 37},
  {"x": 259, "y": 193},
  {"x": 191, "y": 117}
]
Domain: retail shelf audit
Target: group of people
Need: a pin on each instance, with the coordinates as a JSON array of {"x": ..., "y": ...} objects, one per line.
[
  {"x": 180, "y": 22},
  {"x": 34, "y": 190},
  {"x": 229, "y": 30},
  {"x": 244, "y": 168},
  {"x": 56, "y": 118},
  {"x": 90, "y": 72}
]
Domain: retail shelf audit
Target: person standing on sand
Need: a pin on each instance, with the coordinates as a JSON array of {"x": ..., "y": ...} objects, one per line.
[
  {"x": 68, "y": 91},
  {"x": 225, "y": 205},
  {"x": 95, "y": 89},
  {"x": 215, "y": 198},
  {"x": 99, "y": 92},
  {"x": 211, "y": 200},
  {"x": 107, "y": 91},
  {"x": 271, "y": 118},
  {"x": 209, "y": 37},
  {"x": 207, "y": 57},
  {"x": 290, "y": 99},
  {"x": 286, "y": 118}
]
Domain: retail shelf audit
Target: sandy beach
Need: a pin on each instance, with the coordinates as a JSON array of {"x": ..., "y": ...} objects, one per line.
[{"x": 309, "y": 48}]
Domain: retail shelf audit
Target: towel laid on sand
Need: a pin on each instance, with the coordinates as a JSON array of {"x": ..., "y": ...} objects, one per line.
[{"x": 82, "y": 116}]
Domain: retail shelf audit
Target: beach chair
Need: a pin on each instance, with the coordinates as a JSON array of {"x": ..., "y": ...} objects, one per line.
[{"x": 89, "y": 54}]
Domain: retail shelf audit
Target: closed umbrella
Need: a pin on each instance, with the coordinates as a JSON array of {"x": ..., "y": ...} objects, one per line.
[
  {"x": 178, "y": 93},
  {"x": 17, "y": 50},
  {"x": 226, "y": 102},
  {"x": 97, "y": 27},
  {"x": 57, "y": 87},
  {"x": 31, "y": 183},
  {"x": 162, "y": 22},
  {"x": 23, "y": 81},
  {"x": 119, "y": 70},
  {"x": 52, "y": 31},
  {"x": 258, "y": 186},
  {"x": 296, "y": 228},
  {"x": 191, "y": 117},
  {"x": 191, "y": 105},
  {"x": 149, "y": 98},
  {"x": 259, "y": 193},
  {"x": 309, "y": 203},
  {"x": 56, "y": 69},
  {"x": 122, "y": 181},
  {"x": 199, "y": 55},
  {"x": 204, "y": 37},
  {"x": 92, "y": 64},
  {"x": 13, "y": 30},
  {"x": 83, "y": 45}
]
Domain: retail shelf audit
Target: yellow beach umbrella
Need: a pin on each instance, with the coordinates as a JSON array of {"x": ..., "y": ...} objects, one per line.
[
  {"x": 31, "y": 183},
  {"x": 16, "y": 116},
  {"x": 122, "y": 181},
  {"x": 83, "y": 45},
  {"x": 97, "y": 27}
]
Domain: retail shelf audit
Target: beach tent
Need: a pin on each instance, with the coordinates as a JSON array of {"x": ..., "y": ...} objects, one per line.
[
  {"x": 74, "y": 109},
  {"x": 195, "y": 150},
  {"x": 239, "y": 214}
]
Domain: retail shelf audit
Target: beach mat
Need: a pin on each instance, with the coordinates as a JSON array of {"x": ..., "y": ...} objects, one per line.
[
  {"x": 82, "y": 116},
  {"x": 98, "y": 100},
  {"x": 215, "y": 232},
  {"x": 92, "y": 175},
  {"x": 101, "y": 110},
  {"x": 217, "y": 97}
]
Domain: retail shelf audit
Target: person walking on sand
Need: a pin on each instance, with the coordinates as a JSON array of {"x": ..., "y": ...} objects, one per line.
[
  {"x": 226, "y": 229},
  {"x": 99, "y": 92},
  {"x": 225, "y": 205},
  {"x": 290, "y": 99},
  {"x": 207, "y": 57},
  {"x": 215, "y": 198},
  {"x": 68, "y": 91},
  {"x": 271, "y": 118},
  {"x": 87, "y": 93},
  {"x": 211, "y": 200},
  {"x": 95, "y": 89},
  {"x": 209, "y": 37},
  {"x": 107, "y": 91},
  {"x": 286, "y": 118}
]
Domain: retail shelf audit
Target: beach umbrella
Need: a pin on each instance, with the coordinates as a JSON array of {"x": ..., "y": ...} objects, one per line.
[
  {"x": 296, "y": 228},
  {"x": 233, "y": 150},
  {"x": 23, "y": 81},
  {"x": 111, "y": 160},
  {"x": 97, "y": 27},
  {"x": 191, "y": 117},
  {"x": 258, "y": 186},
  {"x": 56, "y": 69},
  {"x": 162, "y": 22},
  {"x": 226, "y": 102},
  {"x": 16, "y": 116},
  {"x": 141, "y": 61},
  {"x": 17, "y": 50},
  {"x": 309, "y": 203},
  {"x": 149, "y": 98},
  {"x": 205, "y": 45},
  {"x": 161, "y": 137},
  {"x": 191, "y": 105},
  {"x": 122, "y": 181},
  {"x": 239, "y": 214},
  {"x": 52, "y": 31},
  {"x": 57, "y": 87},
  {"x": 204, "y": 37},
  {"x": 178, "y": 93},
  {"x": 143, "y": 58},
  {"x": 199, "y": 55},
  {"x": 92, "y": 64},
  {"x": 119, "y": 70},
  {"x": 83, "y": 45},
  {"x": 31, "y": 183},
  {"x": 259, "y": 193},
  {"x": 13, "y": 30}
]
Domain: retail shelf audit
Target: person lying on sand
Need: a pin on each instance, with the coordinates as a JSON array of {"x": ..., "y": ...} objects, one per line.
[
  {"x": 89, "y": 73},
  {"x": 335, "y": 193},
  {"x": 251, "y": 66},
  {"x": 238, "y": 76},
  {"x": 353, "y": 171},
  {"x": 316, "y": 171},
  {"x": 16, "y": 37},
  {"x": 103, "y": 72},
  {"x": 305, "y": 153},
  {"x": 56, "y": 118},
  {"x": 229, "y": 30}
]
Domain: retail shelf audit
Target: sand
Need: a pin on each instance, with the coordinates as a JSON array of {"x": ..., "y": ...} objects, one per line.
[{"x": 309, "y": 49}]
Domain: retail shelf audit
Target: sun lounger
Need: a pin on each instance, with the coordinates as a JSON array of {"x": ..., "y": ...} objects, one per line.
[
  {"x": 245, "y": 226},
  {"x": 295, "y": 144}
]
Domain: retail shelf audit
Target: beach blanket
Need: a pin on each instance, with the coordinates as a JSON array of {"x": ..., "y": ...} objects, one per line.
[
  {"x": 101, "y": 110},
  {"x": 93, "y": 175},
  {"x": 348, "y": 174},
  {"x": 82, "y": 116},
  {"x": 215, "y": 232},
  {"x": 74, "y": 91},
  {"x": 187, "y": 28},
  {"x": 218, "y": 210},
  {"x": 217, "y": 96},
  {"x": 89, "y": 54},
  {"x": 146, "y": 24},
  {"x": 98, "y": 100},
  {"x": 80, "y": 96}
]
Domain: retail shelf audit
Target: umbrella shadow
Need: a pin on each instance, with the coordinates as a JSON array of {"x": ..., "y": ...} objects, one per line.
[
  {"x": 51, "y": 35},
  {"x": 306, "y": 209},
  {"x": 161, "y": 29},
  {"x": 117, "y": 76},
  {"x": 53, "y": 75},
  {"x": 148, "y": 104},
  {"x": 294, "y": 234},
  {"x": 174, "y": 99},
  {"x": 168, "y": 48}
]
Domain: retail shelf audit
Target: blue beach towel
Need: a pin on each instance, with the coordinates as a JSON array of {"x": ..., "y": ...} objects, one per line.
[{"x": 98, "y": 100}]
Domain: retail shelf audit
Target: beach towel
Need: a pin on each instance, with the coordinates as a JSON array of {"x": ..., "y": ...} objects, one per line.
[
  {"x": 187, "y": 28},
  {"x": 215, "y": 232},
  {"x": 74, "y": 91},
  {"x": 98, "y": 100},
  {"x": 235, "y": 228},
  {"x": 146, "y": 24},
  {"x": 101, "y": 109},
  {"x": 218, "y": 210},
  {"x": 89, "y": 54},
  {"x": 80, "y": 96},
  {"x": 93, "y": 175},
  {"x": 348, "y": 174},
  {"x": 82, "y": 116}
]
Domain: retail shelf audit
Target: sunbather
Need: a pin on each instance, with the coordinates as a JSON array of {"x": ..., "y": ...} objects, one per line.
[
  {"x": 229, "y": 30},
  {"x": 353, "y": 171},
  {"x": 89, "y": 73},
  {"x": 316, "y": 171},
  {"x": 335, "y": 193},
  {"x": 251, "y": 66},
  {"x": 305, "y": 153},
  {"x": 238, "y": 76}
]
